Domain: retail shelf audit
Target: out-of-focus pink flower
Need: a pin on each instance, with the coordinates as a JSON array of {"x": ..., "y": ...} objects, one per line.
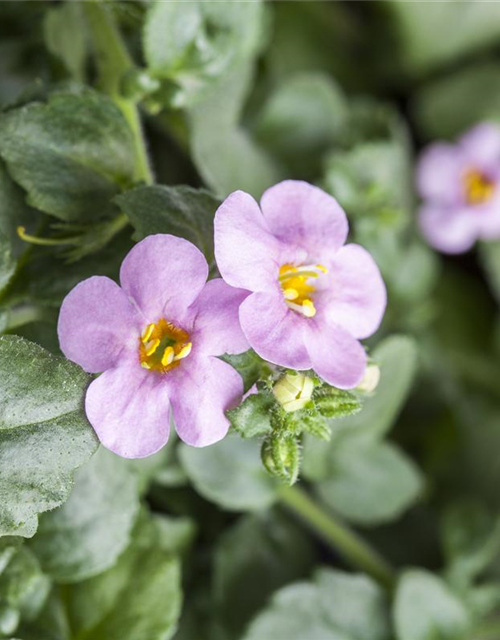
[
  {"x": 312, "y": 296},
  {"x": 460, "y": 188},
  {"x": 156, "y": 338}
]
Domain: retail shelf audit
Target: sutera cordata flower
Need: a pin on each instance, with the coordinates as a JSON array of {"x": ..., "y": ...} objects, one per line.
[
  {"x": 460, "y": 188},
  {"x": 312, "y": 297},
  {"x": 156, "y": 339}
]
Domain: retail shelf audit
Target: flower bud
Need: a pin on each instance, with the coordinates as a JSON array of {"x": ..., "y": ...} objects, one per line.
[
  {"x": 293, "y": 391},
  {"x": 370, "y": 380}
]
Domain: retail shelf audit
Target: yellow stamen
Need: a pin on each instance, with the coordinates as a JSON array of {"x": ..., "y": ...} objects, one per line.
[
  {"x": 185, "y": 351},
  {"x": 290, "y": 294},
  {"x": 479, "y": 188},
  {"x": 147, "y": 333},
  {"x": 152, "y": 346},
  {"x": 168, "y": 356},
  {"x": 308, "y": 309},
  {"x": 298, "y": 273},
  {"x": 162, "y": 346},
  {"x": 322, "y": 268}
]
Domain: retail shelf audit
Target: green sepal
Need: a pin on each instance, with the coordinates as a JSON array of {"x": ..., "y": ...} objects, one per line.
[
  {"x": 335, "y": 403},
  {"x": 253, "y": 416},
  {"x": 281, "y": 457}
]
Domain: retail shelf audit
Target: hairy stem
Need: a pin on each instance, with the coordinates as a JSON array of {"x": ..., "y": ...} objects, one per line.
[
  {"x": 113, "y": 62},
  {"x": 337, "y": 535}
]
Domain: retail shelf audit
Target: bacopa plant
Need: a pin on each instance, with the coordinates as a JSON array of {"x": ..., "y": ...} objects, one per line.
[{"x": 249, "y": 328}]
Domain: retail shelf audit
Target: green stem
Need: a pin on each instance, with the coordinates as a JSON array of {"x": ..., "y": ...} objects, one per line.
[
  {"x": 337, "y": 535},
  {"x": 113, "y": 62}
]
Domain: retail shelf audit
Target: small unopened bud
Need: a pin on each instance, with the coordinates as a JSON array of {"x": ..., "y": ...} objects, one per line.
[
  {"x": 293, "y": 392},
  {"x": 370, "y": 380}
]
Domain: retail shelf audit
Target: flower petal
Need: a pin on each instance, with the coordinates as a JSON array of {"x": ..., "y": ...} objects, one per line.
[
  {"x": 200, "y": 394},
  {"x": 482, "y": 146},
  {"x": 358, "y": 294},
  {"x": 439, "y": 173},
  {"x": 336, "y": 356},
  {"x": 247, "y": 254},
  {"x": 97, "y": 323},
  {"x": 274, "y": 331},
  {"x": 448, "y": 230},
  {"x": 164, "y": 275},
  {"x": 129, "y": 410},
  {"x": 488, "y": 218},
  {"x": 300, "y": 214},
  {"x": 216, "y": 325}
]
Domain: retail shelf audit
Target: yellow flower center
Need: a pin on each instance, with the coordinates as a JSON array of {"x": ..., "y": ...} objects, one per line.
[
  {"x": 297, "y": 288},
  {"x": 478, "y": 187},
  {"x": 162, "y": 346}
]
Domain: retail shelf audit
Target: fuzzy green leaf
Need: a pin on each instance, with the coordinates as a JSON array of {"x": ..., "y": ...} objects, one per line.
[
  {"x": 249, "y": 365},
  {"x": 230, "y": 473},
  {"x": 256, "y": 556},
  {"x": 426, "y": 609},
  {"x": 87, "y": 534},
  {"x": 333, "y": 606},
  {"x": 65, "y": 37},
  {"x": 253, "y": 416},
  {"x": 44, "y": 434},
  {"x": 371, "y": 484},
  {"x": 301, "y": 120},
  {"x": 54, "y": 150},
  {"x": 225, "y": 154},
  {"x": 180, "y": 210},
  {"x": 195, "y": 43},
  {"x": 138, "y": 599}
]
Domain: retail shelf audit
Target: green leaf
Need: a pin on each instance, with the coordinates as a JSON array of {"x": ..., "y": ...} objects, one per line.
[
  {"x": 333, "y": 606},
  {"x": 195, "y": 43},
  {"x": 397, "y": 359},
  {"x": 372, "y": 179},
  {"x": 180, "y": 210},
  {"x": 225, "y": 154},
  {"x": 371, "y": 483},
  {"x": 253, "y": 416},
  {"x": 44, "y": 435},
  {"x": 254, "y": 558},
  {"x": 335, "y": 403},
  {"x": 301, "y": 120},
  {"x": 51, "y": 624},
  {"x": 249, "y": 365},
  {"x": 471, "y": 541},
  {"x": 230, "y": 473},
  {"x": 175, "y": 535},
  {"x": 138, "y": 599},
  {"x": 426, "y": 609},
  {"x": 23, "y": 586},
  {"x": 469, "y": 26},
  {"x": 7, "y": 263},
  {"x": 86, "y": 535},
  {"x": 55, "y": 152},
  {"x": 490, "y": 257},
  {"x": 448, "y": 106},
  {"x": 13, "y": 211},
  {"x": 65, "y": 38}
]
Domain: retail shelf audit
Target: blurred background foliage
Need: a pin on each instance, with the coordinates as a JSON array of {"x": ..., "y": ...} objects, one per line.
[{"x": 129, "y": 118}]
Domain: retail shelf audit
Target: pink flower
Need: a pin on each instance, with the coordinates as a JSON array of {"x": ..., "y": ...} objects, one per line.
[
  {"x": 312, "y": 296},
  {"x": 156, "y": 338},
  {"x": 460, "y": 186}
]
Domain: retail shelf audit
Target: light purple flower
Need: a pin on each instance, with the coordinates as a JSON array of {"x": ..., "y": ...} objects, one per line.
[
  {"x": 156, "y": 338},
  {"x": 312, "y": 296},
  {"x": 460, "y": 188}
]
